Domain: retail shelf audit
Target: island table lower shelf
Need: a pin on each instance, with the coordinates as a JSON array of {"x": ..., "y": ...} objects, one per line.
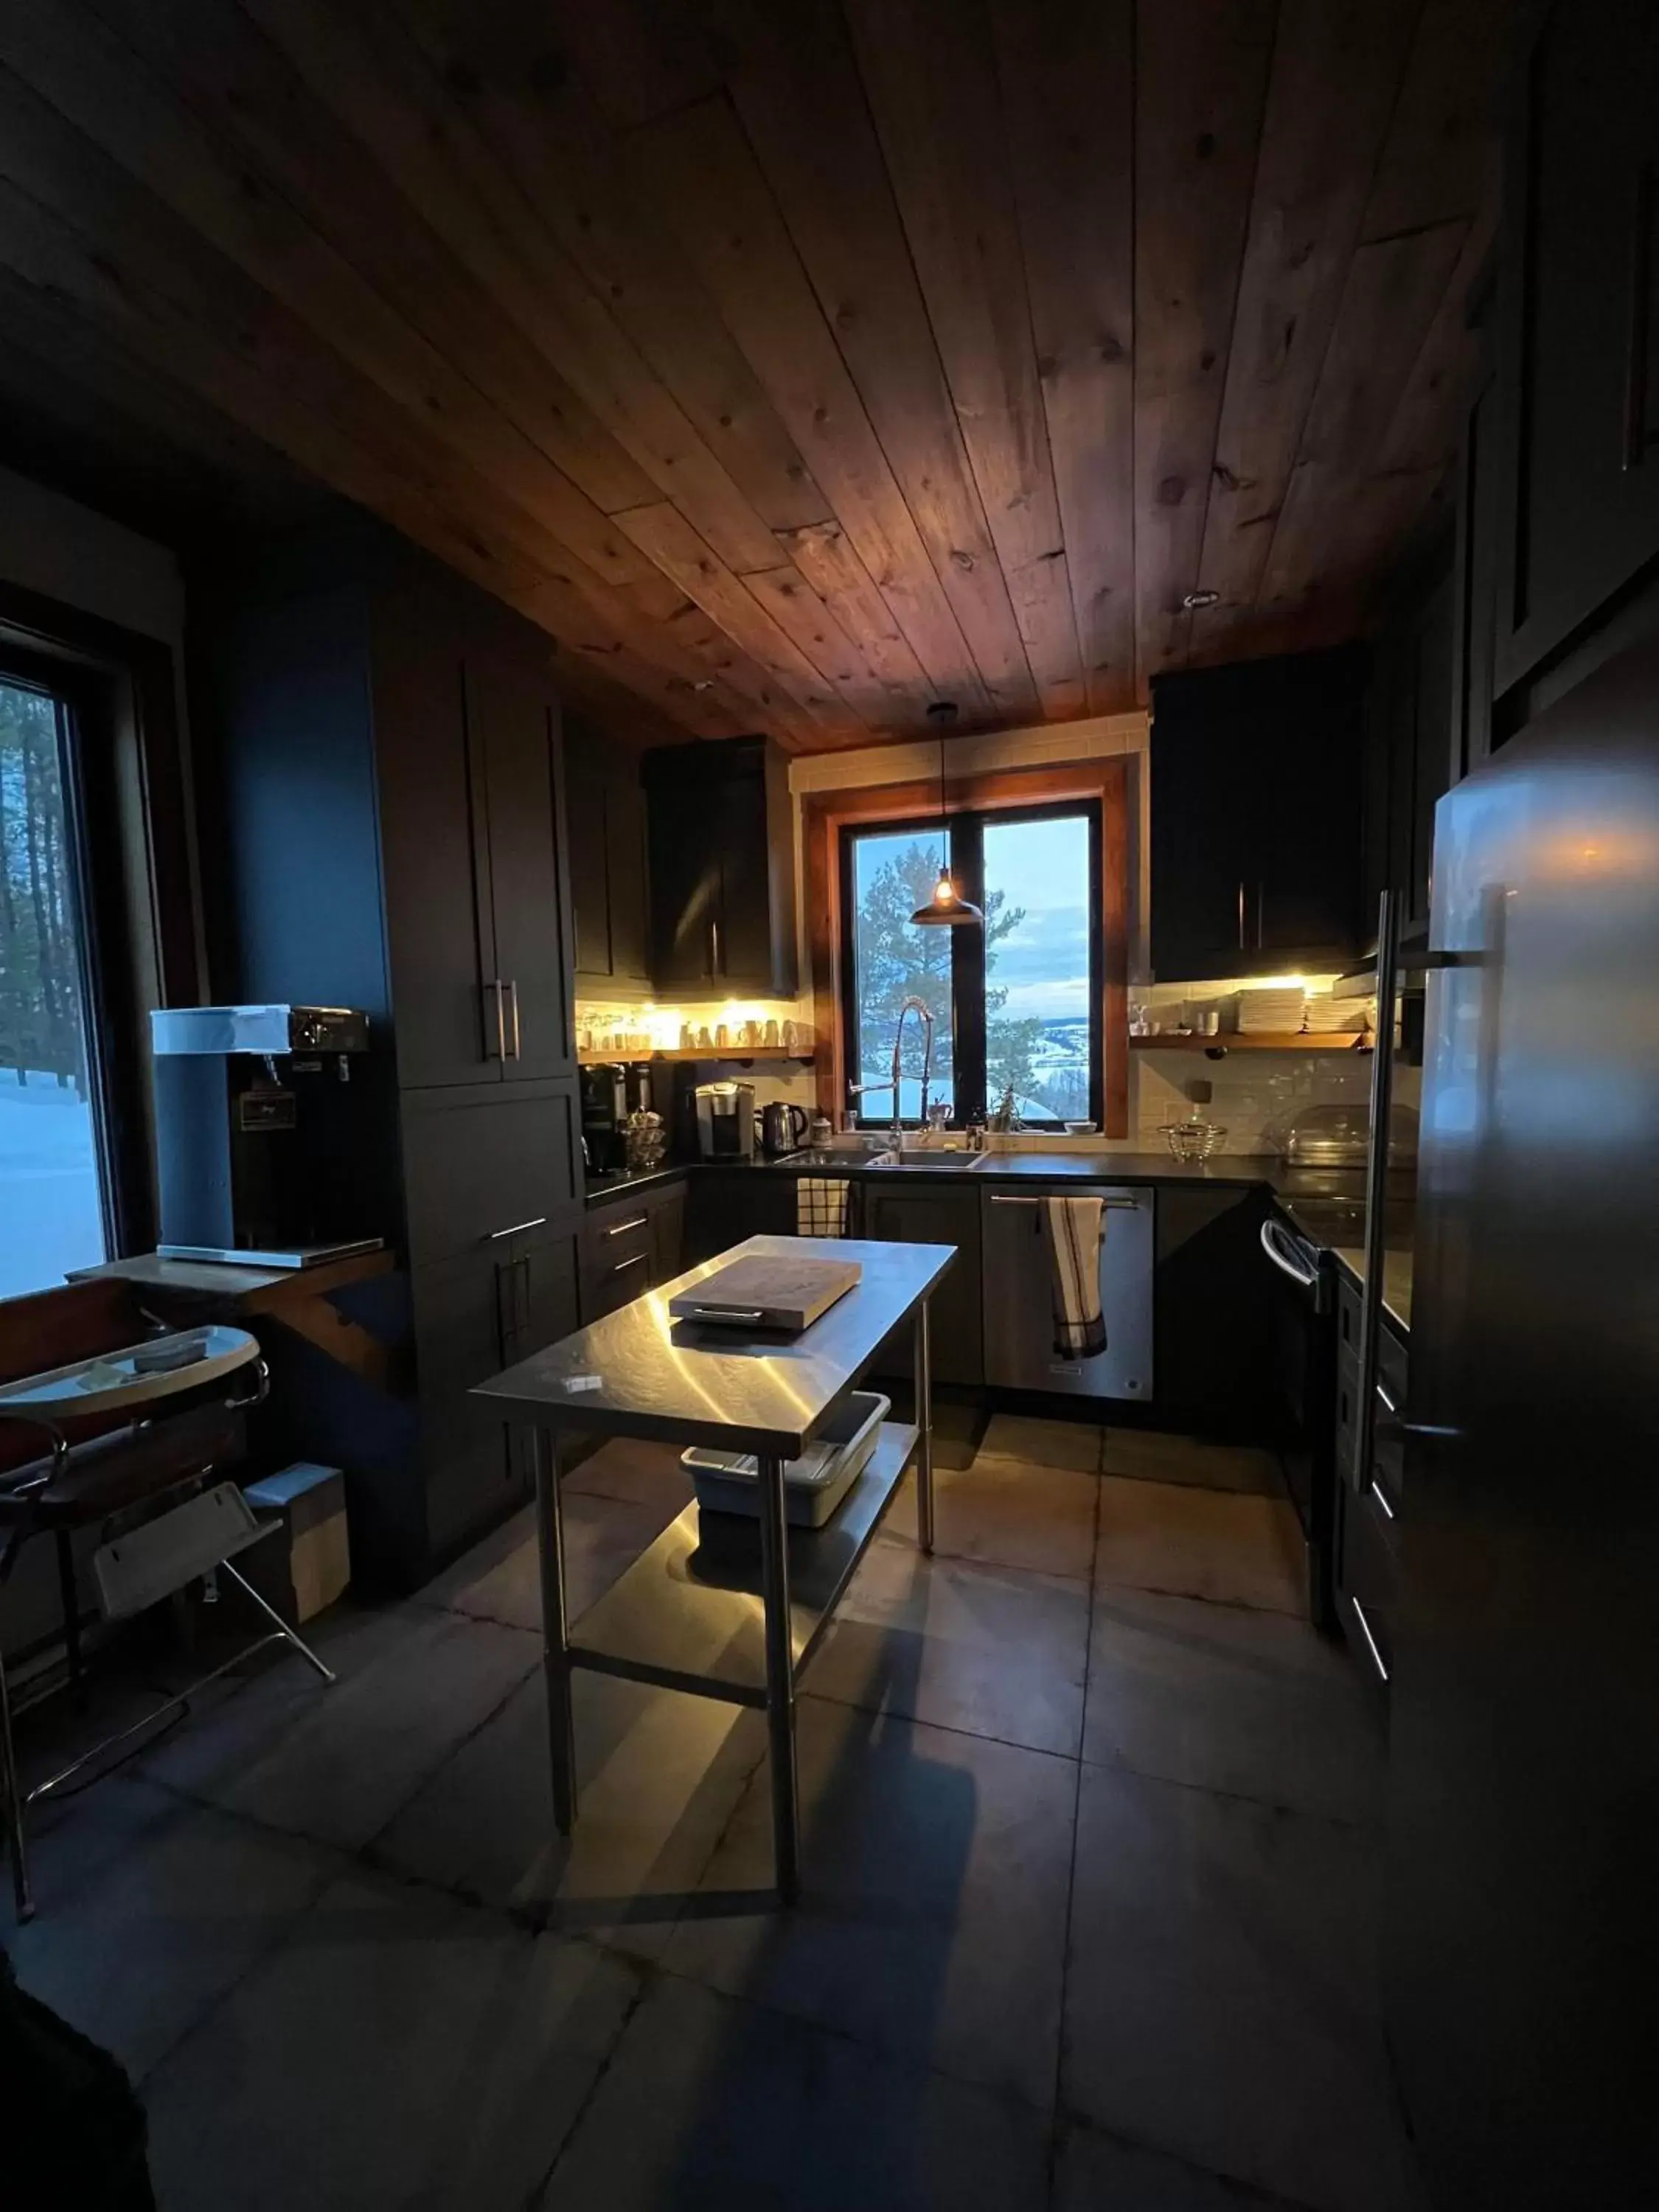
[{"x": 689, "y": 1614}]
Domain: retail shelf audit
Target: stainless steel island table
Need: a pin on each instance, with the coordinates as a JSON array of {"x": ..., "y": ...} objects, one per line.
[{"x": 733, "y": 1611}]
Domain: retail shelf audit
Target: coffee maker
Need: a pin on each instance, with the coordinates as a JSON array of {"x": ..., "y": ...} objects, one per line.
[
  {"x": 264, "y": 1134},
  {"x": 725, "y": 1121},
  {"x": 604, "y": 1111}
]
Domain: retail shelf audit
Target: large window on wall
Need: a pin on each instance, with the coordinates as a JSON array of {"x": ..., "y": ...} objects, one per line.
[
  {"x": 55, "y": 1203},
  {"x": 1016, "y": 1004}
]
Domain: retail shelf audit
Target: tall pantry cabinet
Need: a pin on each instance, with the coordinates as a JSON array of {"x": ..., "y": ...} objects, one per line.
[{"x": 384, "y": 746}]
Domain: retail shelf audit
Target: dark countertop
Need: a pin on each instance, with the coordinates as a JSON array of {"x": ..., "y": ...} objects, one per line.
[
  {"x": 638, "y": 1373},
  {"x": 1242, "y": 1171}
]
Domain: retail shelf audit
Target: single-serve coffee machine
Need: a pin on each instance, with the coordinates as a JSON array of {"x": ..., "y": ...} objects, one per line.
[
  {"x": 261, "y": 1133},
  {"x": 725, "y": 1121}
]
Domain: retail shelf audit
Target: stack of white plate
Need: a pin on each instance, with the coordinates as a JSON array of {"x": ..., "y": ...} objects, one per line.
[
  {"x": 1271, "y": 1011},
  {"x": 1325, "y": 1015}
]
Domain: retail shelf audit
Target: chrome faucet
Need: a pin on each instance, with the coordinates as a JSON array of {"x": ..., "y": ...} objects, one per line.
[{"x": 896, "y": 1134}]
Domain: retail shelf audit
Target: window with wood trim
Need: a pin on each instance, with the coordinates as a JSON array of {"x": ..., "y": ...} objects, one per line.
[{"x": 1016, "y": 1004}]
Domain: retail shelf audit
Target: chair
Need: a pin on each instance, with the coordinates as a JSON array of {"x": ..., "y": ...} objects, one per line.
[{"x": 59, "y": 1476}]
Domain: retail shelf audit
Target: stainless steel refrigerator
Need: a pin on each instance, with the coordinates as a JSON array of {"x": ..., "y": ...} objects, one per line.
[{"x": 1520, "y": 1964}]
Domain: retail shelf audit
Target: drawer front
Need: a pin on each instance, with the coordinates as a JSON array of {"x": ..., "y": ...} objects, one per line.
[
  {"x": 616, "y": 1280},
  {"x": 476, "y": 1164},
  {"x": 614, "y": 1235}
]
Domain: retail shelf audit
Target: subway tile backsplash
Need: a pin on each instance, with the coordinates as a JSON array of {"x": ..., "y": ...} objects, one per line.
[{"x": 1255, "y": 1096}]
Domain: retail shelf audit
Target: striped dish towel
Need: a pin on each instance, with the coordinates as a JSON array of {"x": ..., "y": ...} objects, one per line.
[
  {"x": 1074, "y": 1229},
  {"x": 820, "y": 1205}
]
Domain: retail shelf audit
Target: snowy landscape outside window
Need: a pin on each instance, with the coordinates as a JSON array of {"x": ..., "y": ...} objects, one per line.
[
  {"x": 52, "y": 1185},
  {"x": 1016, "y": 1003}
]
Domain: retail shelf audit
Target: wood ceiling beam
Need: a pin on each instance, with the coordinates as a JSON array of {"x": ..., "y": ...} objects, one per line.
[
  {"x": 501, "y": 67},
  {"x": 364, "y": 65},
  {"x": 931, "y": 75},
  {"x": 1336, "y": 74},
  {"x": 675, "y": 547},
  {"x": 705, "y": 182},
  {"x": 1067, "y": 82},
  {"x": 1201, "y": 81},
  {"x": 805, "y": 114}
]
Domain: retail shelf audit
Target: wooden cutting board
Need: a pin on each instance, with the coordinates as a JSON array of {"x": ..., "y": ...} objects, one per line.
[{"x": 766, "y": 1293}]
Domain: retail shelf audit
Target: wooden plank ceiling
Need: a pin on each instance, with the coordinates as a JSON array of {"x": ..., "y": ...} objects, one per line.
[{"x": 795, "y": 365}]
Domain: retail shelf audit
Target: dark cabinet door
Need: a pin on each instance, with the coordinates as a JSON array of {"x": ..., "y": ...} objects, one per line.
[
  {"x": 668, "y": 1234},
  {"x": 1581, "y": 322},
  {"x": 433, "y": 841},
  {"x": 463, "y": 1310},
  {"x": 685, "y": 893},
  {"x": 478, "y": 1164},
  {"x": 513, "y": 718},
  {"x": 588, "y": 828},
  {"x": 628, "y": 860},
  {"x": 898, "y": 1216},
  {"x": 1255, "y": 845},
  {"x": 721, "y": 868}
]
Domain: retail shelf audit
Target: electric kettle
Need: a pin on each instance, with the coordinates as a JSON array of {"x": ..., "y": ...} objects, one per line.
[{"x": 782, "y": 1129}]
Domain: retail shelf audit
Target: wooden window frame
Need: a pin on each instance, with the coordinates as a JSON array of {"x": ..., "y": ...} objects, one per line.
[
  {"x": 121, "y": 688},
  {"x": 825, "y": 814}
]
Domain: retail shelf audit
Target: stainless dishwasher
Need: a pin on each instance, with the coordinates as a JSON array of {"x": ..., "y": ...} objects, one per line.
[{"x": 1019, "y": 1295}]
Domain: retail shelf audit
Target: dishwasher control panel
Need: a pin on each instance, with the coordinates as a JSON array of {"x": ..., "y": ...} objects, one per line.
[{"x": 1021, "y": 1293}]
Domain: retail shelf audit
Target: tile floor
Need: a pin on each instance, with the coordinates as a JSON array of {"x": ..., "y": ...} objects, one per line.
[{"x": 1090, "y": 1919}]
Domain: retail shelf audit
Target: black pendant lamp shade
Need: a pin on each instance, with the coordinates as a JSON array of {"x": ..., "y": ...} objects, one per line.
[{"x": 946, "y": 909}]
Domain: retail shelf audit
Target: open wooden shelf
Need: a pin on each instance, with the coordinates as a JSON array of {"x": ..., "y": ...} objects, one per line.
[
  {"x": 1256, "y": 1041},
  {"x": 803, "y": 1052}
]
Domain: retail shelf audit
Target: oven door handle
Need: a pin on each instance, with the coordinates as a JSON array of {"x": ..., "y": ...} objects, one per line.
[{"x": 1286, "y": 1255}]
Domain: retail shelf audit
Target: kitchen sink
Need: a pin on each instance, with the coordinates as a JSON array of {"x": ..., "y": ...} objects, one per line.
[{"x": 937, "y": 1162}]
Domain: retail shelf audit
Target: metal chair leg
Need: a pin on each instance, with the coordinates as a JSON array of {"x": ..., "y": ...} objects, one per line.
[
  {"x": 12, "y": 1791},
  {"x": 271, "y": 1613},
  {"x": 71, "y": 1603}
]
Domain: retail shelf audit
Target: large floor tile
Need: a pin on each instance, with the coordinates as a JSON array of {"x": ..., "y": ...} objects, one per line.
[
  {"x": 659, "y": 1775},
  {"x": 1094, "y": 2174},
  {"x": 500, "y": 1579},
  {"x": 930, "y": 1923},
  {"x": 1230, "y": 1697},
  {"x": 1221, "y": 2004},
  {"x": 150, "y": 1910},
  {"x": 992, "y": 1650},
  {"x": 1007, "y": 1514},
  {"x": 338, "y": 1767},
  {"x": 1149, "y": 1456},
  {"x": 1201, "y": 1543},
  {"x": 711, "y": 2102},
  {"x": 1043, "y": 1443},
  {"x": 635, "y": 1473},
  {"x": 399, "y": 2050}
]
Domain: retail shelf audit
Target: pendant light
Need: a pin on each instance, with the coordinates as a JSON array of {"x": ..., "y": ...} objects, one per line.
[{"x": 946, "y": 909}]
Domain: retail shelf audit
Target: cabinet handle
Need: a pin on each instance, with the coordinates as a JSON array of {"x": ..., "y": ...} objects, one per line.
[
  {"x": 517, "y": 1230},
  {"x": 1381, "y": 1497},
  {"x": 1241, "y": 914},
  {"x": 1377, "y": 1659},
  {"x": 622, "y": 1227},
  {"x": 713, "y": 948},
  {"x": 1387, "y": 1402},
  {"x": 499, "y": 989},
  {"x": 1636, "y": 343},
  {"x": 1261, "y": 915},
  {"x": 633, "y": 1259},
  {"x": 1126, "y": 1205},
  {"x": 518, "y": 1040}
]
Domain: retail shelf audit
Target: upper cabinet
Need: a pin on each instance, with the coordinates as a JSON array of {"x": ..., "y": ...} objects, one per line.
[
  {"x": 1256, "y": 812},
  {"x": 722, "y": 870},
  {"x": 609, "y": 879},
  {"x": 1411, "y": 742},
  {"x": 388, "y": 756},
  {"x": 1579, "y": 326}
]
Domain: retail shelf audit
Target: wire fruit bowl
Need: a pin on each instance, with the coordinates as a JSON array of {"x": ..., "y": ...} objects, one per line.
[{"x": 1190, "y": 1142}]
